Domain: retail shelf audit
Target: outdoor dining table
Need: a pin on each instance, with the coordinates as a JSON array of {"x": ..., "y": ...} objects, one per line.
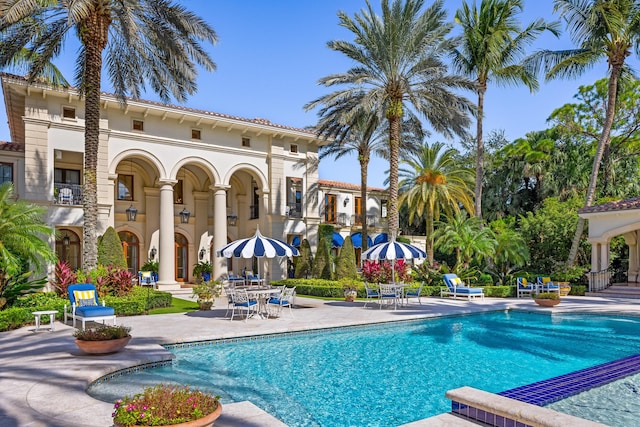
[
  {"x": 401, "y": 287},
  {"x": 261, "y": 294}
]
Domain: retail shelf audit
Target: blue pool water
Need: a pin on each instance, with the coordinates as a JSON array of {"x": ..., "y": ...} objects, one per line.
[{"x": 390, "y": 374}]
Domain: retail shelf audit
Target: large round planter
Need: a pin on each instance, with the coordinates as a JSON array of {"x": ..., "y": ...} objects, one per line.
[
  {"x": 207, "y": 421},
  {"x": 103, "y": 347},
  {"x": 546, "y": 302}
]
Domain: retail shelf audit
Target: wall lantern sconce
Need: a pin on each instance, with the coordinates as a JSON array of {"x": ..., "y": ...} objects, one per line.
[
  {"x": 232, "y": 220},
  {"x": 202, "y": 254},
  {"x": 346, "y": 201},
  {"x": 153, "y": 253},
  {"x": 66, "y": 240},
  {"x": 132, "y": 213},
  {"x": 184, "y": 216}
]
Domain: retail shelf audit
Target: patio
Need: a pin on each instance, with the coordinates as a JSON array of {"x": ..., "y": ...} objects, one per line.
[{"x": 43, "y": 375}]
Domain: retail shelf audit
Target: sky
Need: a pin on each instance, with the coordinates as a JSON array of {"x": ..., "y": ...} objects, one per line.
[{"x": 271, "y": 54}]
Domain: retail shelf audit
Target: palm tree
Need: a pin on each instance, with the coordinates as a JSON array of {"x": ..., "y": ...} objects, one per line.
[
  {"x": 467, "y": 237},
  {"x": 151, "y": 41},
  {"x": 23, "y": 234},
  {"x": 435, "y": 180},
  {"x": 399, "y": 62},
  {"x": 492, "y": 47},
  {"x": 600, "y": 29}
]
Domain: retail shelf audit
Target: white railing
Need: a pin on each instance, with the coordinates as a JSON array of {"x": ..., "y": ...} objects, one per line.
[{"x": 599, "y": 280}]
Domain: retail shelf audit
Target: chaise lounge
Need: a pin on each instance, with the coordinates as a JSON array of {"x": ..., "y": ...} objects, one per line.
[
  {"x": 456, "y": 288},
  {"x": 85, "y": 305}
]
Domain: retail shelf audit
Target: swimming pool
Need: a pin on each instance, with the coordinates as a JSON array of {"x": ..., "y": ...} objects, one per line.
[{"x": 390, "y": 374}]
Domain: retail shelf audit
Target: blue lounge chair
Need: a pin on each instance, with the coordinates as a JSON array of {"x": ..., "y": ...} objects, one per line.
[
  {"x": 455, "y": 287},
  {"x": 85, "y": 305},
  {"x": 546, "y": 285}
]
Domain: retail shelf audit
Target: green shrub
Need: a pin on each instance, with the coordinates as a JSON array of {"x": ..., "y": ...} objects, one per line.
[
  {"x": 322, "y": 261},
  {"x": 578, "y": 290},
  {"x": 346, "y": 262},
  {"x": 14, "y": 318},
  {"x": 304, "y": 262},
  {"x": 110, "y": 252}
]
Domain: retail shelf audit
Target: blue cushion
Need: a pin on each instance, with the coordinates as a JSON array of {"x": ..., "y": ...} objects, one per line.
[
  {"x": 412, "y": 294},
  {"x": 274, "y": 301},
  {"x": 468, "y": 290},
  {"x": 94, "y": 310},
  {"x": 246, "y": 304}
]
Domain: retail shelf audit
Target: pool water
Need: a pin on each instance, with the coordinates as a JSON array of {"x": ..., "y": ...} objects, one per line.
[{"x": 394, "y": 373}]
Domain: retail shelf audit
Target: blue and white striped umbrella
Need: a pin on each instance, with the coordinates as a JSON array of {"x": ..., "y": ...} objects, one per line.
[
  {"x": 393, "y": 250},
  {"x": 258, "y": 246}
]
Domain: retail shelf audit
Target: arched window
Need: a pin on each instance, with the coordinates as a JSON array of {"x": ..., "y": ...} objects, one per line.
[
  {"x": 68, "y": 248},
  {"x": 131, "y": 247}
]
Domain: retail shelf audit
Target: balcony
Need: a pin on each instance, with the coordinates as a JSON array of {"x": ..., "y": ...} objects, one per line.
[
  {"x": 67, "y": 194},
  {"x": 357, "y": 219},
  {"x": 294, "y": 210}
]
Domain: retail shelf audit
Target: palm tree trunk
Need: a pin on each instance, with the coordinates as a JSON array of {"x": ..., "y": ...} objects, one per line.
[
  {"x": 394, "y": 115},
  {"x": 364, "y": 162},
  {"x": 479, "y": 151},
  {"x": 429, "y": 240},
  {"x": 602, "y": 145},
  {"x": 94, "y": 38}
]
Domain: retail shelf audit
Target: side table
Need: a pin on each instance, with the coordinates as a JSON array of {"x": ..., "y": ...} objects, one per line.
[{"x": 52, "y": 317}]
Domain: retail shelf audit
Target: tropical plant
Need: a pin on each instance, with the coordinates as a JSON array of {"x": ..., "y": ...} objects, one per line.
[
  {"x": 128, "y": 32},
  {"x": 164, "y": 405},
  {"x": 465, "y": 235},
  {"x": 23, "y": 236},
  {"x": 19, "y": 285},
  {"x": 600, "y": 29},
  {"x": 510, "y": 254},
  {"x": 492, "y": 47},
  {"x": 372, "y": 271},
  {"x": 110, "y": 251},
  {"x": 150, "y": 266},
  {"x": 65, "y": 276},
  {"x": 398, "y": 60},
  {"x": 545, "y": 295},
  {"x": 103, "y": 333},
  {"x": 434, "y": 181},
  {"x": 207, "y": 292}
]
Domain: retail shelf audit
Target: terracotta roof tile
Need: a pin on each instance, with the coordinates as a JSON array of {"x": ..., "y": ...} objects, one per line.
[
  {"x": 619, "y": 205},
  {"x": 11, "y": 146},
  {"x": 346, "y": 186}
]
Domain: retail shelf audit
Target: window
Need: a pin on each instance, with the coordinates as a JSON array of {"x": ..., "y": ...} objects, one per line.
[
  {"x": 125, "y": 187},
  {"x": 6, "y": 172},
  {"x": 177, "y": 193},
  {"x": 294, "y": 197},
  {"x": 68, "y": 113},
  {"x": 196, "y": 134},
  {"x": 293, "y": 148},
  {"x": 383, "y": 208},
  {"x": 330, "y": 208},
  {"x": 255, "y": 207},
  {"x": 138, "y": 125},
  {"x": 131, "y": 248},
  {"x": 357, "y": 206},
  {"x": 68, "y": 248},
  {"x": 66, "y": 176},
  {"x": 246, "y": 142}
]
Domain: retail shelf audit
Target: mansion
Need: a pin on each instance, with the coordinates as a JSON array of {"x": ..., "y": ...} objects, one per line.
[{"x": 176, "y": 183}]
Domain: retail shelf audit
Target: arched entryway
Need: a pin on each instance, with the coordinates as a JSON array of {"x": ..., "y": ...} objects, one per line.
[
  {"x": 131, "y": 248},
  {"x": 68, "y": 248},
  {"x": 182, "y": 257}
]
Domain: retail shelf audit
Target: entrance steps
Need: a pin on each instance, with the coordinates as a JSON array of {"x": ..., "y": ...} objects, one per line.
[{"x": 620, "y": 290}]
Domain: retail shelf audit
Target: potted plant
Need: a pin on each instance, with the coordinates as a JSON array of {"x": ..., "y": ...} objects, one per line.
[
  {"x": 151, "y": 266},
  {"x": 102, "y": 339},
  {"x": 167, "y": 405},
  {"x": 207, "y": 292},
  {"x": 546, "y": 299},
  {"x": 350, "y": 293},
  {"x": 202, "y": 271},
  {"x": 563, "y": 275}
]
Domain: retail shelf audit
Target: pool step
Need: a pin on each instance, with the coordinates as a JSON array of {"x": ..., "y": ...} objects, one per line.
[{"x": 617, "y": 291}]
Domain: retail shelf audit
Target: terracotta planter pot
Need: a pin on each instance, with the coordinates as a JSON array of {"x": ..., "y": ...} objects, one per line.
[
  {"x": 546, "y": 302},
  {"x": 205, "y": 305},
  {"x": 565, "y": 288},
  {"x": 103, "y": 347},
  {"x": 207, "y": 421}
]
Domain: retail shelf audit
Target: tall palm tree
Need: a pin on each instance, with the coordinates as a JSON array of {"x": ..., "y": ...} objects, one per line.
[
  {"x": 432, "y": 181},
  {"x": 23, "y": 235},
  {"x": 399, "y": 62},
  {"x": 492, "y": 48},
  {"x": 600, "y": 29},
  {"x": 467, "y": 237},
  {"x": 533, "y": 151},
  {"x": 152, "y": 41}
]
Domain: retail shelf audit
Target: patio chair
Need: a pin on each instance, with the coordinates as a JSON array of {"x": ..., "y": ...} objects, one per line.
[
  {"x": 546, "y": 285},
  {"x": 285, "y": 299},
  {"x": 85, "y": 305},
  {"x": 455, "y": 288},
  {"x": 524, "y": 287},
  {"x": 242, "y": 302},
  {"x": 390, "y": 293},
  {"x": 147, "y": 278},
  {"x": 228, "y": 291},
  {"x": 414, "y": 293},
  {"x": 252, "y": 280},
  {"x": 65, "y": 196},
  {"x": 371, "y": 294}
]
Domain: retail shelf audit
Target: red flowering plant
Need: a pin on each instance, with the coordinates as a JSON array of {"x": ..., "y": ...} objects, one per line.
[
  {"x": 163, "y": 405},
  {"x": 401, "y": 270},
  {"x": 372, "y": 272}
]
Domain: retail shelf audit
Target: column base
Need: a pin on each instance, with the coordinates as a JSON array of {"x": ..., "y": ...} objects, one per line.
[{"x": 168, "y": 286}]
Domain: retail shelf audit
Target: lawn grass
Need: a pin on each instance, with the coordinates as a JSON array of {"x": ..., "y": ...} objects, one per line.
[{"x": 177, "y": 306}]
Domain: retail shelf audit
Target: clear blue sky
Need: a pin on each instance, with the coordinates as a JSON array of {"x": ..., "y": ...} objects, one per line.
[{"x": 271, "y": 54}]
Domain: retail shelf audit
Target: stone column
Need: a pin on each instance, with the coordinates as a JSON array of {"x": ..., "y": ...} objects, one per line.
[
  {"x": 631, "y": 239},
  {"x": 166, "y": 252},
  {"x": 220, "y": 229}
]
